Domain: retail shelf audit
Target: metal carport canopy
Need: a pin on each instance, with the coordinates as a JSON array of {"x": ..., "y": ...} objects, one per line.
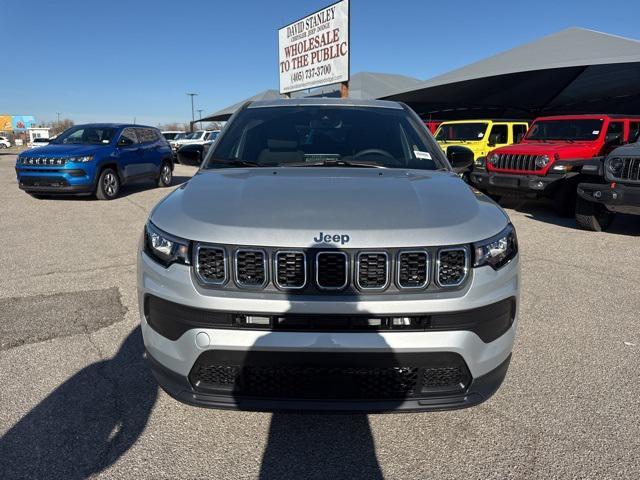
[
  {"x": 362, "y": 86},
  {"x": 571, "y": 71}
]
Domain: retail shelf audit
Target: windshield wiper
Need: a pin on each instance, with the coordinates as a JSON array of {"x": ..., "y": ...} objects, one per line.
[
  {"x": 334, "y": 163},
  {"x": 235, "y": 162}
]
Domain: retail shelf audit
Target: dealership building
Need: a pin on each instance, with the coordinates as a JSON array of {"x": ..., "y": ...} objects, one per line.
[{"x": 569, "y": 72}]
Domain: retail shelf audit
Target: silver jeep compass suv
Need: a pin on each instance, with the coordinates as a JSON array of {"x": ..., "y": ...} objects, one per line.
[{"x": 325, "y": 257}]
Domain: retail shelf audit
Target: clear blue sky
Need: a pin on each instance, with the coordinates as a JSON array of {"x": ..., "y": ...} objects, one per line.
[{"x": 116, "y": 60}]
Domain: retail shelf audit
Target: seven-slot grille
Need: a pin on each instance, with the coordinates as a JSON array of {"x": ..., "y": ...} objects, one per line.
[
  {"x": 211, "y": 265},
  {"x": 332, "y": 270},
  {"x": 452, "y": 266},
  {"x": 291, "y": 269},
  {"x": 507, "y": 161},
  {"x": 413, "y": 269},
  {"x": 251, "y": 268},
  {"x": 44, "y": 161},
  {"x": 373, "y": 270},
  {"x": 630, "y": 169}
]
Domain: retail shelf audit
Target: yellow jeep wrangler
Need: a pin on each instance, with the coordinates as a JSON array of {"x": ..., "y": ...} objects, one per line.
[{"x": 480, "y": 136}]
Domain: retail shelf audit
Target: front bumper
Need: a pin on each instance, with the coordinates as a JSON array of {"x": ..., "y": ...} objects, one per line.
[
  {"x": 174, "y": 361},
  {"x": 616, "y": 197},
  {"x": 519, "y": 185},
  {"x": 70, "y": 180}
]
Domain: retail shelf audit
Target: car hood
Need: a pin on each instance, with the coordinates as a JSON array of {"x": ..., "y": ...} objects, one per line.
[
  {"x": 562, "y": 149},
  {"x": 289, "y": 207},
  {"x": 631, "y": 149},
  {"x": 68, "y": 150}
]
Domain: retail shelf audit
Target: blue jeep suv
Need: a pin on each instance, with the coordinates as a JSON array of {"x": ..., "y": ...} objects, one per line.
[{"x": 96, "y": 159}]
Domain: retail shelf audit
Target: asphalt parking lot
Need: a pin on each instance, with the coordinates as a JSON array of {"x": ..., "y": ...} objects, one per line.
[{"x": 77, "y": 400}]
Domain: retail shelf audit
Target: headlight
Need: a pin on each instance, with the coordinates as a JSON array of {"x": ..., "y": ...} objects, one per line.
[
  {"x": 480, "y": 162},
  {"x": 81, "y": 159},
  {"x": 615, "y": 166},
  {"x": 542, "y": 161},
  {"x": 496, "y": 251},
  {"x": 165, "y": 248},
  {"x": 493, "y": 159}
]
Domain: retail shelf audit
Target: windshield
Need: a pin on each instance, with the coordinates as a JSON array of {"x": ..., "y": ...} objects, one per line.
[
  {"x": 461, "y": 131},
  {"x": 212, "y": 136},
  {"x": 194, "y": 135},
  {"x": 324, "y": 136},
  {"x": 85, "y": 136},
  {"x": 588, "y": 129},
  {"x": 170, "y": 135}
]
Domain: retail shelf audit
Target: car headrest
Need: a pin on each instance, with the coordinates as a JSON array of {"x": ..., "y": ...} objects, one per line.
[{"x": 275, "y": 144}]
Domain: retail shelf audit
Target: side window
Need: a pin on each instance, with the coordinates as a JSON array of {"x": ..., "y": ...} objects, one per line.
[
  {"x": 499, "y": 135},
  {"x": 127, "y": 138},
  {"x": 614, "y": 134},
  {"x": 519, "y": 132},
  {"x": 634, "y": 131},
  {"x": 146, "y": 135}
]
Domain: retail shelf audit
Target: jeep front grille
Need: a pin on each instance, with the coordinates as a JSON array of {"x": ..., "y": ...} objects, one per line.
[
  {"x": 372, "y": 270},
  {"x": 211, "y": 265},
  {"x": 453, "y": 264},
  {"x": 251, "y": 268},
  {"x": 332, "y": 270},
  {"x": 630, "y": 169},
  {"x": 291, "y": 269},
  {"x": 413, "y": 269},
  {"x": 508, "y": 161},
  {"x": 43, "y": 161},
  {"x": 322, "y": 271}
]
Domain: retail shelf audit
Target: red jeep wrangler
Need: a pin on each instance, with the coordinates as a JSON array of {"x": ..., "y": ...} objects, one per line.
[{"x": 549, "y": 159}]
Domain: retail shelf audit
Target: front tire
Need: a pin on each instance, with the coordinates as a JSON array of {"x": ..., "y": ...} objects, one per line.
[
  {"x": 108, "y": 185},
  {"x": 166, "y": 175},
  {"x": 592, "y": 216}
]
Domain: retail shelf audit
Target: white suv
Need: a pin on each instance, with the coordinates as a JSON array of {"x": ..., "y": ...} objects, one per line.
[{"x": 4, "y": 142}]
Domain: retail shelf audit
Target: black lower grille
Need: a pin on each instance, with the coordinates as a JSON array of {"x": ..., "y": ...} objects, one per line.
[
  {"x": 251, "y": 268},
  {"x": 211, "y": 265},
  {"x": 373, "y": 270},
  {"x": 412, "y": 269},
  {"x": 49, "y": 181},
  {"x": 332, "y": 270},
  {"x": 452, "y": 267},
  {"x": 304, "y": 375},
  {"x": 291, "y": 269}
]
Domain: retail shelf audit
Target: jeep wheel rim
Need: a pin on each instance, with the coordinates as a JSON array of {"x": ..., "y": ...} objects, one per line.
[
  {"x": 166, "y": 174},
  {"x": 110, "y": 183}
]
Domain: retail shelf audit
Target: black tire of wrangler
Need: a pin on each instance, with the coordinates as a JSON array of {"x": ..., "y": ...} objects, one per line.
[
  {"x": 592, "y": 216},
  {"x": 564, "y": 201}
]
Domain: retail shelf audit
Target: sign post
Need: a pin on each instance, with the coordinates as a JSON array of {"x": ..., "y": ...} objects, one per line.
[{"x": 314, "y": 51}]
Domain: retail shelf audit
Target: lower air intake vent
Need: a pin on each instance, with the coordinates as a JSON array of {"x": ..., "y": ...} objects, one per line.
[
  {"x": 452, "y": 266},
  {"x": 332, "y": 270},
  {"x": 413, "y": 269},
  {"x": 251, "y": 268},
  {"x": 372, "y": 270},
  {"x": 291, "y": 269},
  {"x": 211, "y": 265}
]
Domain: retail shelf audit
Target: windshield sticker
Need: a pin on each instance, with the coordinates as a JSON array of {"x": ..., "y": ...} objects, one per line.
[
  {"x": 480, "y": 134},
  {"x": 422, "y": 155},
  {"x": 595, "y": 132}
]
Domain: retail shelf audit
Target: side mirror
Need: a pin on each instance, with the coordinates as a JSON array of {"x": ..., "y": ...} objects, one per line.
[
  {"x": 493, "y": 139},
  {"x": 613, "y": 139},
  {"x": 460, "y": 158}
]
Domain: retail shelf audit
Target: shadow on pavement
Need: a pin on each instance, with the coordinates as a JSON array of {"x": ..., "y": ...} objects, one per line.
[{"x": 86, "y": 423}]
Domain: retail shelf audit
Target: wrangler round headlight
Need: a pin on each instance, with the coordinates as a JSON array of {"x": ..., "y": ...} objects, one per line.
[
  {"x": 496, "y": 251},
  {"x": 542, "y": 161},
  {"x": 493, "y": 159},
  {"x": 164, "y": 248},
  {"x": 615, "y": 166}
]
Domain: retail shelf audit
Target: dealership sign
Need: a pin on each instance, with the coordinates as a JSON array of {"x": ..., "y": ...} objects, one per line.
[{"x": 314, "y": 51}]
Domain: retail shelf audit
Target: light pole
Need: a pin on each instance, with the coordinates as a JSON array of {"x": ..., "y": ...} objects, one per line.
[
  {"x": 58, "y": 114},
  {"x": 193, "y": 113},
  {"x": 200, "y": 116}
]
